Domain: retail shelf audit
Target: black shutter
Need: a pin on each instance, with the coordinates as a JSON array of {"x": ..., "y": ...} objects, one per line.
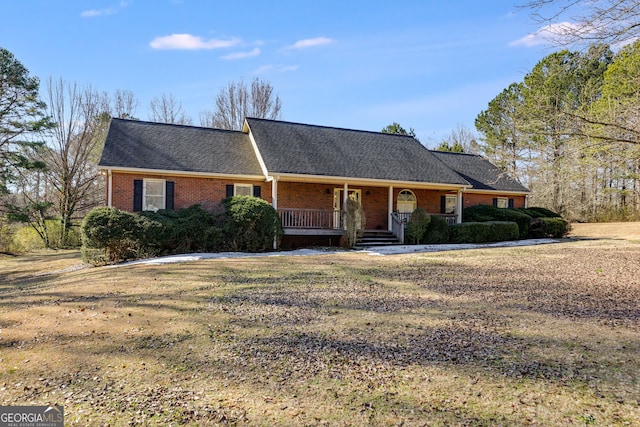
[
  {"x": 137, "y": 195},
  {"x": 169, "y": 187},
  {"x": 443, "y": 204},
  {"x": 495, "y": 203},
  {"x": 257, "y": 190},
  {"x": 229, "y": 190},
  {"x": 511, "y": 203}
]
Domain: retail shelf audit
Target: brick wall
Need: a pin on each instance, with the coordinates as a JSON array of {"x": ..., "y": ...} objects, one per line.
[
  {"x": 188, "y": 190},
  {"x": 473, "y": 199}
]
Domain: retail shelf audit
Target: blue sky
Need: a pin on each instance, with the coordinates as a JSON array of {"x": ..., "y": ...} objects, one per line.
[{"x": 428, "y": 65}]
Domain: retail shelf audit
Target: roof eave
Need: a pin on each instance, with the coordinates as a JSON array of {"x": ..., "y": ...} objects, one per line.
[
  {"x": 180, "y": 173},
  {"x": 364, "y": 181}
]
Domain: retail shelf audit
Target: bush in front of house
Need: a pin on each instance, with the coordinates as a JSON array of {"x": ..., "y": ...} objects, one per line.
[
  {"x": 251, "y": 224},
  {"x": 191, "y": 229},
  {"x": 437, "y": 231},
  {"x": 549, "y": 227},
  {"x": 484, "y": 213},
  {"x": 109, "y": 235},
  {"x": 483, "y": 232},
  {"x": 417, "y": 226}
]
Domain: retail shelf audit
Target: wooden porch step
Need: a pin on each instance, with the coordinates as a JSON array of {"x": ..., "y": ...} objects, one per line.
[{"x": 377, "y": 238}]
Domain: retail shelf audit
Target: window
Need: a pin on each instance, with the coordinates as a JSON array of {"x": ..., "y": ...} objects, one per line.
[
  {"x": 502, "y": 202},
  {"x": 242, "y": 190},
  {"x": 153, "y": 194},
  {"x": 407, "y": 202},
  {"x": 450, "y": 203}
]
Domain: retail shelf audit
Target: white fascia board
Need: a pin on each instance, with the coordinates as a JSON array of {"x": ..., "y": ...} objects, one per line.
[
  {"x": 116, "y": 169},
  {"x": 497, "y": 192},
  {"x": 263, "y": 166},
  {"x": 321, "y": 179}
]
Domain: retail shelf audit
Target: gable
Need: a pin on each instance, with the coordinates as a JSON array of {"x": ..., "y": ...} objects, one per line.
[
  {"x": 168, "y": 147},
  {"x": 479, "y": 172}
]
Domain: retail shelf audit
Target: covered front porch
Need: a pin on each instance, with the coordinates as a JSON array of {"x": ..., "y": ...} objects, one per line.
[{"x": 385, "y": 208}]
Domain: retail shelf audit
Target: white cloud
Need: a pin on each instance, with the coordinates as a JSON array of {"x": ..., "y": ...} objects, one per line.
[
  {"x": 99, "y": 12},
  {"x": 242, "y": 55},
  {"x": 552, "y": 34},
  {"x": 318, "y": 41},
  {"x": 190, "y": 42},
  {"x": 278, "y": 69},
  {"x": 92, "y": 13}
]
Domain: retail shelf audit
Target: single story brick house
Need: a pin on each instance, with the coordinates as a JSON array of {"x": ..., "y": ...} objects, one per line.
[{"x": 305, "y": 171}]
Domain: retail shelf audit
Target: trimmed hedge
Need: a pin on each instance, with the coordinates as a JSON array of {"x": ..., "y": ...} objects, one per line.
[
  {"x": 111, "y": 235},
  {"x": 482, "y": 232},
  {"x": 484, "y": 213},
  {"x": 251, "y": 224},
  {"x": 549, "y": 227},
  {"x": 437, "y": 231}
]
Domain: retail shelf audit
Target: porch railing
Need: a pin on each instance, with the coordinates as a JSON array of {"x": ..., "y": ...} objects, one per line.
[
  {"x": 450, "y": 218},
  {"x": 398, "y": 224},
  {"x": 307, "y": 218}
]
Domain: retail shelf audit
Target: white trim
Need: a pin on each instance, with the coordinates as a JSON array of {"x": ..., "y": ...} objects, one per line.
[
  {"x": 242, "y": 185},
  {"x": 321, "y": 179},
  {"x": 142, "y": 171},
  {"x": 459, "y": 207},
  {"x": 263, "y": 165},
  {"x": 496, "y": 192},
  {"x": 502, "y": 199},
  {"x": 144, "y": 193},
  {"x": 274, "y": 191}
]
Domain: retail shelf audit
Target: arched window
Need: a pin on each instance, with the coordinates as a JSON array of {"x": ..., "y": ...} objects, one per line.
[{"x": 407, "y": 201}]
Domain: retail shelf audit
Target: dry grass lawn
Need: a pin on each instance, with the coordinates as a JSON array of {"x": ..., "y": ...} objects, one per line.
[{"x": 543, "y": 335}]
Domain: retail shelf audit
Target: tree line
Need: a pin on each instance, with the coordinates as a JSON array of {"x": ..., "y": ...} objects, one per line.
[{"x": 570, "y": 131}]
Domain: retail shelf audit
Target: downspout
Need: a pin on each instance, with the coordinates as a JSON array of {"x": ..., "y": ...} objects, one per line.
[{"x": 109, "y": 188}]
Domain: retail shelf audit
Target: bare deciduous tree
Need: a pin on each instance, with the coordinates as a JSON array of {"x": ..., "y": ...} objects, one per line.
[
  {"x": 167, "y": 109},
  {"x": 124, "y": 104},
  {"x": 73, "y": 151},
  {"x": 599, "y": 21},
  {"x": 237, "y": 101}
]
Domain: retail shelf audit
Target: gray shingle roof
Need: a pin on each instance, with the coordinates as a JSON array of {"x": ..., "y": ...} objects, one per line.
[
  {"x": 480, "y": 173},
  {"x": 146, "y": 145},
  {"x": 296, "y": 148}
]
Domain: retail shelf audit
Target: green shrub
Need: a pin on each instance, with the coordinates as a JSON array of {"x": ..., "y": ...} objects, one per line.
[
  {"x": 437, "y": 231},
  {"x": 417, "y": 225},
  {"x": 480, "y": 213},
  {"x": 481, "y": 232},
  {"x": 251, "y": 224},
  {"x": 555, "y": 227},
  {"x": 179, "y": 231},
  {"x": 109, "y": 235}
]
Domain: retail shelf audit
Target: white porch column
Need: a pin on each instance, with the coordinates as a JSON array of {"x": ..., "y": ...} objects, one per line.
[
  {"x": 459, "y": 206},
  {"x": 109, "y": 188},
  {"x": 390, "y": 207},
  {"x": 274, "y": 192},
  {"x": 345, "y": 195}
]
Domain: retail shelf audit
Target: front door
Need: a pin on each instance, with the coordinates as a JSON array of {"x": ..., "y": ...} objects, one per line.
[{"x": 338, "y": 202}]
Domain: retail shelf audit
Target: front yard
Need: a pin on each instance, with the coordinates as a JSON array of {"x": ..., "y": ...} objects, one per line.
[{"x": 541, "y": 335}]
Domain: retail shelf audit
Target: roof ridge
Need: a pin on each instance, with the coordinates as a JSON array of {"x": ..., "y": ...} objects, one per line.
[
  {"x": 147, "y": 122},
  {"x": 329, "y": 127}
]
